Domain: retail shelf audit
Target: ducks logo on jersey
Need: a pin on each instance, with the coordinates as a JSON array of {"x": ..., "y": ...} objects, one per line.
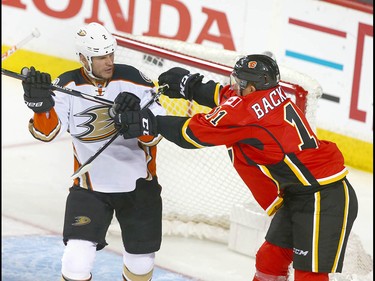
[{"x": 97, "y": 125}]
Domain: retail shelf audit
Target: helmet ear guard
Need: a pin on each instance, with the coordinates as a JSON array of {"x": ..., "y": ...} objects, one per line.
[
  {"x": 259, "y": 70},
  {"x": 94, "y": 40}
]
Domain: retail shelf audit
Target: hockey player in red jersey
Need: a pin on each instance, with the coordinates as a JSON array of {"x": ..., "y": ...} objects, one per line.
[
  {"x": 292, "y": 174},
  {"x": 124, "y": 184}
]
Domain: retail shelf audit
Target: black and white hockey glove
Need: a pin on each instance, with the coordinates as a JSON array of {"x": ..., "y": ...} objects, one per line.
[
  {"x": 180, "y": 81},
  {"x": 124, "y": 101},
  {"x": 133, "y": 124},
  {"x": 37, "y": 88}
]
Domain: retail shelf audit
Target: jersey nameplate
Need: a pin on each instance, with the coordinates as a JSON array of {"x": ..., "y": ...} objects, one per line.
[{"x": 274, "y": 99}]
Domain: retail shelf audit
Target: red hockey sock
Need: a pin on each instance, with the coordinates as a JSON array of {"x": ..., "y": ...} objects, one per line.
[
  {"x": 272, "y": 262},
  {"x": 300, "y": 275}
]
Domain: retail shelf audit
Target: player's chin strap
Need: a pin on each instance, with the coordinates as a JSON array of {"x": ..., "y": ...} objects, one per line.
[{"x": 87, "y": 165}]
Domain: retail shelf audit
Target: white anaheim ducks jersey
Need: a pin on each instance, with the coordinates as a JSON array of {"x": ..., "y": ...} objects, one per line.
[{"x": 118, "y": 167}]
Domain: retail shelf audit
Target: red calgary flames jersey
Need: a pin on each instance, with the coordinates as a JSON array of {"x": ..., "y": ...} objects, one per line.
[{"x": 270, "y": 142}]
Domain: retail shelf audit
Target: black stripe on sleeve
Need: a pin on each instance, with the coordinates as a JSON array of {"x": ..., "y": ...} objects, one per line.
[{"x": 170, "y": 127}]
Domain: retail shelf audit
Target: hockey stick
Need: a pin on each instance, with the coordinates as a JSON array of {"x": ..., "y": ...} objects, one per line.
[
  {"x": 87, "y": 165},
  {"x": 35, "y": 34},
  {"x": 61, "y": 89}
]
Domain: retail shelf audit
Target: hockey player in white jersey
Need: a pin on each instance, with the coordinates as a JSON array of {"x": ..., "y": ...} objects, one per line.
[{"x": 122, "y": 181}]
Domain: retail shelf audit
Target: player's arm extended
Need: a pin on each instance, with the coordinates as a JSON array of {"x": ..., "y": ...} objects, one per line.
[
  {"x": 182, "y": 84},
  {"x": 201, "y": 130}
]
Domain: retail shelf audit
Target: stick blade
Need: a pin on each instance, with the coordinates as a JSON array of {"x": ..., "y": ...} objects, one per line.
[{"x": 81, "y": 171}]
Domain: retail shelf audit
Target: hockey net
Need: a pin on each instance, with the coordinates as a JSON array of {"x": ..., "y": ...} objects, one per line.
[{"x": 200, "y": 187}]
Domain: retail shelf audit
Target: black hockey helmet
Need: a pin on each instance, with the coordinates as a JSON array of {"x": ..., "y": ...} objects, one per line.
[{"x": 259, "y": 70}]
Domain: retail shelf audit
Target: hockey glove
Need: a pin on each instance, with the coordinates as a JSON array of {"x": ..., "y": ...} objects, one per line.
[
  {"x": 125, "y": 101},
  {"x": 181, "y": 83},
  {"x": 133, "y": 124},
  {"x": 37, "y": 88}
]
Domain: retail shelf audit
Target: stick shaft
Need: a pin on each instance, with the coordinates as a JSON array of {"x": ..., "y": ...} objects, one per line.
[
  {"x": 61, "y": 89},
  {"x": 17, "y": 46}
]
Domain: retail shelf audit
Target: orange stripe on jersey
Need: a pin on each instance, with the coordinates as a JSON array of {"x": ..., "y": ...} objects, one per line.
[
  {"x": 151, "y": 160},
  {"x": 148, "y": 143},
  {"x": 45, "y": 126},
  {"x": 146, "y": 139},
  {"x": 150, "y": 140},
  {"x": 84, "y": 180},
  {"x": 46, "y": 122}
]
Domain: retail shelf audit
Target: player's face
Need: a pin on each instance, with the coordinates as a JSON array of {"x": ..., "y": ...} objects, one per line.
[
  {"x": 248, "y": 90},
  {"x": 102, "y": 67},
  {"x": 235, "y": 84}
]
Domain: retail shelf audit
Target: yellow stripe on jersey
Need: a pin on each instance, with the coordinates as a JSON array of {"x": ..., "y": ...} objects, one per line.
[
  {"x": 296, "y": 171},
  {"x": 316, "y": 228},
  {"x": 276, "y": 204},
  {"x": 265, "y": 171},
  {"x": 216, "y": 94},
  {"x": 186, "y": 136},
  {"x": 333, "y": 178},
  {"x": 343, "y": 229}
]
